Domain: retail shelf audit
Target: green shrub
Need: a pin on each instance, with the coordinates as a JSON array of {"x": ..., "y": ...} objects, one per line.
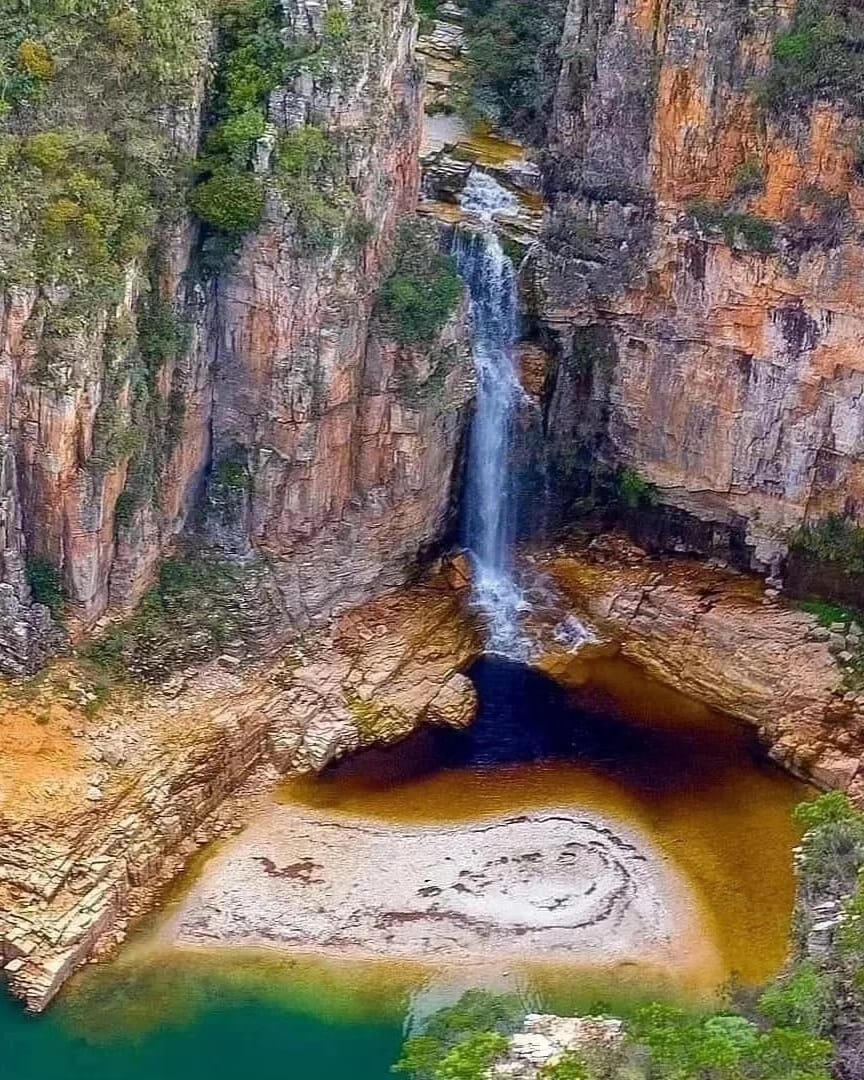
[
  {"x": 511, "y": 63},
  {"x": 833, "y": 539},
  {"x": 235, "y": 137},
  {"x": 461, "y": 1041},
  {"x": 833, "y": 844},
  {"x": 737, "y": 230},
  {"x": 424, "y": 288},
  {"x": 749, "y": 177},
  {"x": 684, "y": 1046},
  {"x": 663, "y": 1043},
  {"x": 232, "y": 202},
  {"x": 634, "y": 492},
  {"x": 311, "y": 181},
  {"x": 253, "y": 61},
  {"x": 802, "y": 1000},
  {"x": 472, "y": 1059},
  {"x": 821, "y": 56},
  {"x": 46, "y": 585},
  {"x": 570, "y": 1067},
  {"x": 35, "y": 60},
  {"x": 79, "y": 203}
]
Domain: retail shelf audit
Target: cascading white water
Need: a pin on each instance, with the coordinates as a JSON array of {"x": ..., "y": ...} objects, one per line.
[{"x": 490, "y": 521}]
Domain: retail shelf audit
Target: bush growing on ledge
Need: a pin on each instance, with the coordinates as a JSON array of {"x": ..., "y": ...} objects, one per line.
[
  {"x": 309, "y": 170},
  {"x": 749, "y": 177},
  {"x": 423, "y": 289},
  {"x": 833, "y": 539},
  {"x": 232, "y": 202},
  {"x": 634, "y": 491},
  {"x": 744, "y": 230},
  {"x": 253, "y": 61}
]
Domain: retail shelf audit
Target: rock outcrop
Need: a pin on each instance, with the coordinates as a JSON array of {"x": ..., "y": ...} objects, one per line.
[
  {"x": 546, "y": 1039},
  {"x": 96, "y": 813},
  {"x": 700, "y": 274},
  {"x": 716, "y": 637}
]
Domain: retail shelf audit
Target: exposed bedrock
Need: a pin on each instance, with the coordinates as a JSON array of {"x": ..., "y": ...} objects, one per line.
[
  {"x": 97, "y": 812},
  {"x": 271, "y": 371},
  {"x": 716, "y": 637},
  {"x": 728, "y": 371}
]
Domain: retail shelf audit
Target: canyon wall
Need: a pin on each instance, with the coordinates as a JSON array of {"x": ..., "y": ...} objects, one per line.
[
  {"x": 699, "y": 282},
  {"x": 255, "y": 401}
]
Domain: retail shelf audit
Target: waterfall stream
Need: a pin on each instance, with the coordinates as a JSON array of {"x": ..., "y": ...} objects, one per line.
[{"x": 490, "y": 512}]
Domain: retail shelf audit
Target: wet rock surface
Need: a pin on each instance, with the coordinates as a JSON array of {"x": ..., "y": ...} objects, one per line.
[{"x": 715, "y": 636}]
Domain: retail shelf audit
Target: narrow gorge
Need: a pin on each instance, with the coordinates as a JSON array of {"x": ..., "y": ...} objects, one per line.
[{"x": 432, "y": 539}]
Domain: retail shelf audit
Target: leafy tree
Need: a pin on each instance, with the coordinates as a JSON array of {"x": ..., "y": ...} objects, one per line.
[
  {"x": 511, "y": 61},
  {"x": 461, "y": 1041},
  {"x": 424, "y": 288},
  {"x": 230, "y": 201}
]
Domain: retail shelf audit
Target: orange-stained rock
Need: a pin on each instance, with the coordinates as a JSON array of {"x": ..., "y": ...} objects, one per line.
[
  {"x": 99, "y": 807},
  {"x": 733, "y": 378}
]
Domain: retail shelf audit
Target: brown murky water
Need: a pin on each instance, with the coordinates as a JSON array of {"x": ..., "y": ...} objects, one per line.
[{"x": 692, "y": 779}]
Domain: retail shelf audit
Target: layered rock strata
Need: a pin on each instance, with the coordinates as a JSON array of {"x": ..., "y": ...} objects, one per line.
[
  {"x": 700, "y": 275},
  {"x": 109, "y": 807},
  {"x": 716, "y": 637},
  {"x": 338, "y": 444}
]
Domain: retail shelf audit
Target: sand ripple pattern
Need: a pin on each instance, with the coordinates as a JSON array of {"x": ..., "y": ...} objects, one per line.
[{"x": 533, "y": 885}]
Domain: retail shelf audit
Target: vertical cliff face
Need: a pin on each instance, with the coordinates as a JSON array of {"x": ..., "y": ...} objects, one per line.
[
  {"x": 348, "y": 472},
  {"x": 148, "y": 393},
  {"x": 701, "y": 271},
  {"x": 101, "y": 116}
]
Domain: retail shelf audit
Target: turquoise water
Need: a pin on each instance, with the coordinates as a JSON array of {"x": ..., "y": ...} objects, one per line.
[{"x": 220, "y": 1032}]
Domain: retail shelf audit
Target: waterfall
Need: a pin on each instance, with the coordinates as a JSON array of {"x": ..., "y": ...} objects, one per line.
[{"x": 490, "y": 512}]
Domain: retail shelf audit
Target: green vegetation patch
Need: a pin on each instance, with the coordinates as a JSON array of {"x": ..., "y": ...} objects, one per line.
[
  {"x": 86, "y": 168},
  {"x": 511, "y": 62},
  {"x": 46, "y": 585},
  {"x": 253, "y": 61},
  {"x": 786, "y": 1033},
  {"x": 833, "y": 539},
  {"x": 198, "y": 606},
  {"x": 821, "y": 56},
  {"x": 633, "y": 491},
  {"x": 423, "y": 289},
  {"x": 311, "y": 176},
  {"x": 749, "y": 177},
  {"x": 663, "y": 1042},
  {"x": 745, "y": 231},
  {"x": 461, "y": 1041}
]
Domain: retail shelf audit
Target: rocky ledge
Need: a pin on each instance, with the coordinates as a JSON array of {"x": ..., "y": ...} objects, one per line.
[
  {"x": 97, "y": 812},
  {"x": 723, "y": 639}
]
